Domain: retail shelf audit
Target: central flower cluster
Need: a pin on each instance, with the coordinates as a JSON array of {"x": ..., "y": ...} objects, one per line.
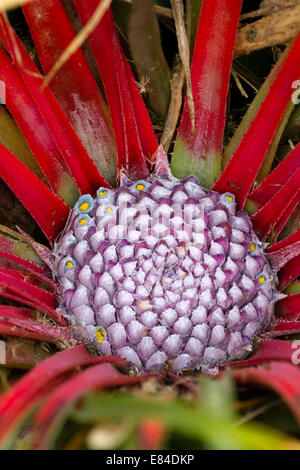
[{"x": 165, "y": 274}]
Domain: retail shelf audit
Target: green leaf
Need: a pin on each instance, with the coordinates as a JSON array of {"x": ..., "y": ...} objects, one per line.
[
  {"x": 195, "y": 10},
  {"x": 13, "y": 140},
  {"x": 17, "y": 245},
  {"x": 293, "y": 288},
  {"x": 207, "y": 169}
]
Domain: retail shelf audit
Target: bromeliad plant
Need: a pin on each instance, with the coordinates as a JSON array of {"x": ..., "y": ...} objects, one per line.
[{"x": 159, "y": 275}]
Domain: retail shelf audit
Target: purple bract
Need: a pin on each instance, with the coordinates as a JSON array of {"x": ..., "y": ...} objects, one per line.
[{"x": 164, "y": 273}]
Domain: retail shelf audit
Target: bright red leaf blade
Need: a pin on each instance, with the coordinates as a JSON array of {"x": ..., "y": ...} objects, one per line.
[
  {"x": 26, "y": 114},
  {"x": 97, "y": 377},
  {"x": 135, "y": 138},
  {"x": 266, "y": 218},
  {"x": 87, "y": 177},
  {"x": 199, "y": 152},
  {"x": 35, "y": 383},
  {"x": 276, "y": 179},
  {"x": 255, "y": 143},
  {"x": 84, "y": 106},
  {"x": 34, "y": 195}
]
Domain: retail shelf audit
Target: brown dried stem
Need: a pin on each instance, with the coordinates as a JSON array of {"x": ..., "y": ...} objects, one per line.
[
  {"x": 277, "y": 28},
  {"x": 184, "y": 51},
  {"x": 176, "y": 84}
]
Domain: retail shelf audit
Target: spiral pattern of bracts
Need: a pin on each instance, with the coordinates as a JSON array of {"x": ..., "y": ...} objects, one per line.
[{"x": 164, "y": 273}]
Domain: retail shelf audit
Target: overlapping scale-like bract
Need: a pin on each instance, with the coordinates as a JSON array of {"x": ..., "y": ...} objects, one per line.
[{"x": 165, "y": 274}]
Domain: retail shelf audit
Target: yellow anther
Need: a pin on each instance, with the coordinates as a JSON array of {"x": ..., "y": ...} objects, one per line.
[
  {"x": 100, "y": 334},
  {"x": 252, "y": 246},
  {"x": 109, "y": 210},
  {"x": 229, "y": 198},
  {"x": 84, "y": 206},
  {"x": 102, "y": 193},
  {"x": 140, "y": 187},
  {"x": 83, "y": 221},
  {"x": 262, "y": 279},
  {"x": 69, "y": 264},
  {"x": 99, "y": 337}
]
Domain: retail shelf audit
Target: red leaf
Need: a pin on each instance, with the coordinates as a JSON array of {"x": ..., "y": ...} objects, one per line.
[
  {"x": 286, "y": 255},
  {"x": 289, "y": 272},
  {"x": 277, "y": 179},
  {"x": 135, "y": 138},
  {"x": 9, "y": 294},
  {"x": 84, "y": 106},
  {"x": 210, "y": 74},
  {"x": 14, "y": 287},
  {"x": 255, "y": 143},
  {"x": 285, "y": 243},
  {"x": 36, "y": 382},
  {"x": 282, "y": 257},
  {"x": 289, "y": 307},
  {"x": 15, "y": 281},
  {"x": 52, "y": 413},
  {"x": 18, "y": 275},
  {"x": 12, "y": 427},
  {"x": 268, "y": 350},
  {"x": 27, "y": 266},
  {"x": 46, "y": 208},
  {"x": 14, "y": 312},
  {"x": 285, "y": 328},
  {"x": 266, "y": 218},
  {"x": 283, "y": 378},
  {"x": 34, "y": 330},
  {"x": 82, "y": 168},
  {"x": 27, "y": 116},
  {"x": 285, "y": 216}
]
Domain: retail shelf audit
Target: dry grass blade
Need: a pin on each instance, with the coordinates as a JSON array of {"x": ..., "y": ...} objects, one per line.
[
  {"x": 8, "y": 4},
  {"x": 257, "y": 412},
  {"x": 15, "y": 48},
  {"x": 238, "y": 83},
  {"x": 268, "y": 7},
  {"x": 79, "y": 39},
  {"x": 256, "y": 13},
  {"x": 176, "y": 83},
  {"x": 184, "y": 51}
]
